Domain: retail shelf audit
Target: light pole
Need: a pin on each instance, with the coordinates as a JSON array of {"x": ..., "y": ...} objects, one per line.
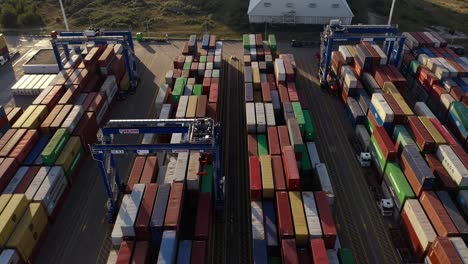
[
  {"x": 64, "y": 16},
  {"x": 391, "y": 12}
]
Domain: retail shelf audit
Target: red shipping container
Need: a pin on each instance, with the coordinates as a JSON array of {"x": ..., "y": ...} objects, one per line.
[
  {"x": 288, "y": 251},
  {"x": 443, "y": 251},
  {"x": 304, "y": 255},
  {"x": 60, "y": 118},
  {"x": 213, "y": 93},
  {"x": 443, "y": 131},
  {"x": 319, "y": 252},
  {"x": 27, "y": 179},
  {"x": 283, "y": 211},
  {"x": 283, "y": 93},
  {"x": 278, "y": 173},
  {"x": 174, "y": 207},
  {"x": 252, "y": 144},
  {"x": 203, "y": 218},
  {"x": 201, "y": 106},
  {"x": 87, "y": 129},
  {"x": 255, "y": 178},
  {"x": 142, "y": 229},
  {"x": 24, "y": 146},
  {"x": 437, "y": 214},
  {"x": 283, "y": 135},
  {"x": 443, "y": 180},
  {"x": 150, "y": 171},
  {"x": 258, "y": 41},
  {"x": 83, "y": 78},
  {"x": 381, "y": 77},
  {"x": 326, "y": 219},
  {"x": 385, "y": 143},
  {"x": 215, "y": 80},
  {"x": 6, "y": 137},
  {"x": 125, "y": 252},
  {"x": 418, "y": 250},
  {"x": 291, "y": 171},
  {"x": 8, "y": 168},
  {"x": 212, "y": 42},
  {"x": 141, "y": 255},
  {"x": 44, "y": 128},
  {"x": 106, "y": 56},
  {"x": 461, "y": 154},
  {"x": 135, "y": 173},
  {"x": 399, "y": 115},
  {"x": 53, "y": 97},
  {"x": 198, "y": 252},
  {"x": 292, "y": 92},
  {"x": 206, "y": 85},
  {"x": 273, "y": 141},
  {"x": 89, "y": 100},
  {"x": 266, "y": 95},
  {"x": 423, "y": 139},
  {"x": 12, "y": 142}
]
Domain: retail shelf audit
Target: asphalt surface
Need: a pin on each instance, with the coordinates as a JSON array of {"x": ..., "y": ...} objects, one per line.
[{"x": 359, "y": 224}]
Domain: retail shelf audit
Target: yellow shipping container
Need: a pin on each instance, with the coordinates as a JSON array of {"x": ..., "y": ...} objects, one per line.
[
  {"x": 191, "y": 107},
  {"x": 4, "y": 199},
  {"x": 351, "y": 50},
  {"x": 29, "y": 230},
  {"x": 69, "y": 152},
  {"x": 24, "y": 116},
  {"x": 256, "y": 77},
  {"x": 390, "y": 88},
  {"x": 267, "y": 177},
  {"x": 300, "y": 224},
  {"x": 403, "y": 105},
  {"x": 438, "y": 138},
  {"x": 11, "y": 216},
  {"x": 36, "y": 118}
]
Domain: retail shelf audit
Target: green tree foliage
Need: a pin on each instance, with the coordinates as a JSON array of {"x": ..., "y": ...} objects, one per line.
[
  {"x": 8, "y": 16},
  {"x": 19, "y": 13}
]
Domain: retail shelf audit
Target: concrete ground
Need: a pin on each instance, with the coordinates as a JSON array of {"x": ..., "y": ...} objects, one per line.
[{"x": 81, "y": 234}]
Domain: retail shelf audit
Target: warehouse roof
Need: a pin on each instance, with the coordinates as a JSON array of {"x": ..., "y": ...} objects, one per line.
[{"x": 318, "y": 8}]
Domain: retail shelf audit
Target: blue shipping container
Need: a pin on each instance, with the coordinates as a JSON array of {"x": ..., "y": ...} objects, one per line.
[
  {"x": 206, "y": 41},
  {"x": 159, "y": 212},
  {"x": 454, "y": 214},
  {"x": 271, "y": 235},
  {"x": 378, "y": 119},
  {"x": 185, "y": 248},
  {"x": 36, "y": 151},
  {"x": 260, "y": 251},
  {"x": 167, "y": 252}
]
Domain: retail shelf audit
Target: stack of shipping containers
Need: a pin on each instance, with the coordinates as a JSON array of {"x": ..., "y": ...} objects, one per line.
[
  {"x": 290, "y": 190},
  {"x": 415, "y": 120},
  {"x": 41, "y": 148},
  {"x": 166, "y": 213}
]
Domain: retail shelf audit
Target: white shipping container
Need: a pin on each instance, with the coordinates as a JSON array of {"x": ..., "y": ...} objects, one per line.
[
  {"x": 168, "y": 77},
  {"x": 176, "y": 138},
  {"x": 325, "y": 183},
  {"x": 250, "y": 117},
  {"x": 208, "y": 73},
  {"x": 432, "y": 38},
  {"x": 36, "y": 182},
  {"x": 165, "y": 111},
  {"x": 193, "y": 179},
  {"x": 15, "y": 181},
  {"x": 10, "y": 256},
  {"x": 52, "y": 181},
  {"x": 148, "y": 139},
  {"x": 348, "y": 76},
  {"x": 447, "y": 100},
  {"x": 110, "y": 87},
  {"x": 102, "y": 113},
  {"x": 461, "y": 248},
  {"x": 421, "y": 224},
  {"x": 201, "y": 68},
  {"x": 258, "y": 231},
  {"x": 280, "y": 71},
  {"x": 453, "y": 165},
  {"x": 313, "y": 154},
  {"x": 260, "y": 117},
  {"x": 182, "y": 107},
  {"x": 56, "y": 194},
  {"x": 382, "y": 107},
  {"x": 270, "y": 115},
  {"x": 181, "y": 166},
  {"x": 421, "y": 109},
  {"x": 131, "y": 207},
  {"x": 209, "y": 66},
  {"x": 117, "y": 235},
  {"x": 252, "y": 40},
  {"x": 346, "y": 54},
  {"x": 363, "y": 136},
  {"x": 382, "y": 55},
  {"x": 311, "y": 213},
  {"x": 73, "y": 118},
  {"x": 423, "y": 59},
  {"x": 112, "y": 258},
  {"x": 217, "y": 62},
  {"x": 171, "y": 168}
]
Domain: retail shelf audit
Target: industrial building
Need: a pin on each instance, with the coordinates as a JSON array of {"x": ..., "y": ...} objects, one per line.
[{"x": 299, "y": 11}]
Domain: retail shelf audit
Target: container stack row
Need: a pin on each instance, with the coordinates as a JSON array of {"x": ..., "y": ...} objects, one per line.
[
  {"x": 32, "y": 84},
  {"x": 417, "y": 161},
  {"x": 290, "y": 190},
  {"x": 42, "y": 148},
  {"x": 166, "y": 213}
]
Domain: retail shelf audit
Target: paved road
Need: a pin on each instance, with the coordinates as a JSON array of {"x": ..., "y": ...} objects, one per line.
[
  {"x": 238, "y": 243},
  {"x": 359, "y": 224}
]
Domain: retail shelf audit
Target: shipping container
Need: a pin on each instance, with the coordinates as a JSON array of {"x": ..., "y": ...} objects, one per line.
[
  {"x": 453, "y": 165},
  {"x": 443, "y": 179},
  {"x": 290, "y": 168},
  {"x": 168, "y": 250},
  {"x": 8, "y": 169},
  {"x": 51, "y": 189},
  {"x": 55, "y": 146},
  {"x": 283, "y": 136},
  {"x": 11, "y": 216},
  {"x": 312, "y": 217},
  {"x": 142, "y": 229},
  {"x": 325, "y": 182},
  {"x": 440, "y": 219},
  {"x": 416, "y": 170},
  {"x": 203, "y": 218},
  {"x": 319, "y": 253},
  {"x": 132, "y": 207},
  {"x": 345, "y": 255},
  {"x": 260, "y": 117},
  {"x": 258, "y": 230},
  {"x": 422, "y": 137},
  {"x": 295, "y": 137},
  {"x": 159, "y": 213},
  {"x": 250, "y": 117},
  {"x": 421, "y": 225},
  {"x": 384, "y": 143},
  {"x": 283, "y": 210},
  {"x": 183, "y": 255},
  {"x": 460, "y": 248},
  {"x": 300, "y": 224},
  {"x": 255, "y": 178},
  {"x": 36, "y": 182},
  {"x": 288, "y": 251},
  {"x": 278, "y": 173},
  {"x": 326, "y": 219},
  {"x": 271, "y": 234},
  {"x": 398, "y": 185},
  {"x": 174, "y": 207},
  {"x": 267, "y": 177},
  {"x": 443, "y": 251},
  {"x": 262, "y": 142},
  {"x": 313, "y": 154},
  {"x": 309, "y": 127},
  {"x": 260, "y": 251}
]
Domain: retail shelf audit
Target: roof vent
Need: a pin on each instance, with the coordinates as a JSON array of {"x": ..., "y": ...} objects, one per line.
[
  {"x": 335, "y": 5},
  {"x": 267, "y": 4}
]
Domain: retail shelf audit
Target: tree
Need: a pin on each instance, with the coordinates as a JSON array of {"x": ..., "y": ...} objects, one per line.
[
  {"x": 29, "y": 19},
  {"x": 8, "y": 17}
]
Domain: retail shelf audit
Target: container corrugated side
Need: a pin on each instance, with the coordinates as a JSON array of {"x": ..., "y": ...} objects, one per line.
[
  {"x": 132, "y": 206},
  {"x": 267, "y": 177},
  {"x": 258, "y": 231},
  {"x": 453, "y": 165},
  {"x": 168, "y": 250},
  {"x": 193, "y": 179},
  {"x": 300, "y": 225},
  {"x": 312, "y": 217},
  {"x": 325, "y": 183},
  {"x": 11, "y": 215},
  {"x": 421, "y": 224}
]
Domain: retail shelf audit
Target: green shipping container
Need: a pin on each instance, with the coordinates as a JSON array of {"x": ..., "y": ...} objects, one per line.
[
  {"x": 74, "y": 165},
  {"x": 55, "y": 146},
  {"x": 245, "y": 41},
  {"x": 402, "y": 136},
  {"x": 262, "y": 144},
  {"x": 207, "y": 180},
  {"x": 179, "y": 88},
  {"x": 203, "y": 59},
  {"x": 345, "y": 256},
  {"x": 414, "y": 65},
  {"x": 299, "y": 115},
  {"x": 460, "y": 111},
  {"x": 274, "y": 260},
  {"x": 187, "y": 65},
  {"x": 309, "y": 126},
  {"x": 380, "y": 157},
  {"x": 399, "y": 183},
  {"x": 197, "y": 89},
  {"x": 272, "y": 42},
  {"x": 306, "y": 165},
  {"x": 369, "y": 125}
]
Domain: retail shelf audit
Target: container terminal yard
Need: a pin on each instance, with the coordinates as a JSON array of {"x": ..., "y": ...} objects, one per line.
[{"x": 210, "y": 151}]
